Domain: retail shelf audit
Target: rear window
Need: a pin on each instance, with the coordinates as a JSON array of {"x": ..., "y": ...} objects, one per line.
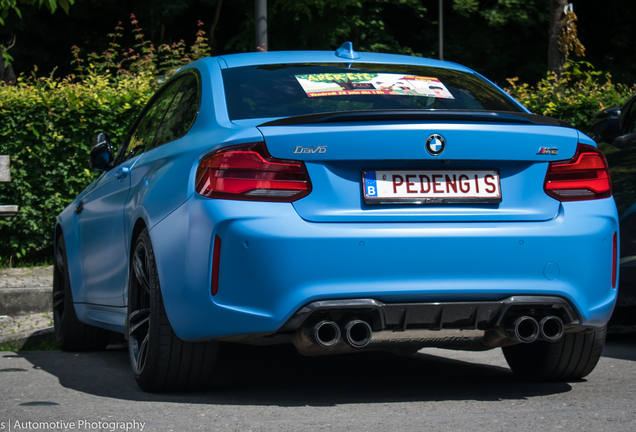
[{"x": 296, "y": 89}]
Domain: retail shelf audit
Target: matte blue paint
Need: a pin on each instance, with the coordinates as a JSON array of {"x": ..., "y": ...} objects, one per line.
[
  {"x": 277, "y": 257},
  {"x": 292, "y": 262},
  {"x": 551, "y": 271},
  {"x": 346, "y": 51}
]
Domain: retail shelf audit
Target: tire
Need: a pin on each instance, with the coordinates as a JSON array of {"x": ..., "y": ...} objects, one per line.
[
  {"x": 70, "y": 333},
  {"x": 160, "y": 361},
  {"x": 571, "y": 358}
]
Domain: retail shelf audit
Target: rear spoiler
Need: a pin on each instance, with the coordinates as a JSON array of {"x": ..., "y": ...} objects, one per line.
[{"x": 419, "y": 115}]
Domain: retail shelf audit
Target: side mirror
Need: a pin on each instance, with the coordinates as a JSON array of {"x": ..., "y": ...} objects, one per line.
[
  {"x": 102, "y": 155},
  {"x": 606, "y": 125},
  {"x": 625, "y": 141}
]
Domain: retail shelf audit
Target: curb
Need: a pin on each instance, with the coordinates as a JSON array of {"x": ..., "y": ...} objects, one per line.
[
  {"x": 20, "y": 301},
  {"x": 26, "y": 290}
]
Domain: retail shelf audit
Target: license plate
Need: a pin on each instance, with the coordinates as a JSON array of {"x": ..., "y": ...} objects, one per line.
[{"x": 431, "y": 186}]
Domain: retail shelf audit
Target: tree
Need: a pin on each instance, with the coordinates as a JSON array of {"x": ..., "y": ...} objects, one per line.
[
  {"x": 563, "y": 35},
  {"x": 6, "y": 70},
  {"x": 12, "y": 5},
  {"x": 556, "y": 58},
  {"x": 560, "y": 18}
]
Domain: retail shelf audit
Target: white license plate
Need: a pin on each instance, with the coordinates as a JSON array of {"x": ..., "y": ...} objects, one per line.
[{"x": 431, "y": 186}]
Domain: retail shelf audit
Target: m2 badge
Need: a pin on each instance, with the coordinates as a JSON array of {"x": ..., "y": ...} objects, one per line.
[{"x": 548, "y": 151}]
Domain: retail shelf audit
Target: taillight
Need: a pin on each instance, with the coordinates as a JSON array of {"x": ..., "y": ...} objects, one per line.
[
  {"x": 584, "y": 177},
  {"x": 249, "y": 172}
]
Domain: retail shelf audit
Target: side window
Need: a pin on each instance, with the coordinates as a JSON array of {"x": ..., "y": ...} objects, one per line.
[
  {"x": 181, "y": 114},
  {"x": 143, "y": 136}
]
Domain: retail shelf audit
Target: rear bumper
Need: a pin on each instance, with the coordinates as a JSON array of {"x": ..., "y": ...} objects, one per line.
[
  {"x": 436, "y": 316},
  {"x": 273, "y": 263}
]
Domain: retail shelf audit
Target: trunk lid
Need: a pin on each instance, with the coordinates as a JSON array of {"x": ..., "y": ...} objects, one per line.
[{"x": 336, "y": 154}]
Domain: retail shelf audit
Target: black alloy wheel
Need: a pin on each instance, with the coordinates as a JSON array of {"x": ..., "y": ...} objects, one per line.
[
  {"x": 59, "y": 295},
  {"x": 139, "y": 309},
  {"x": 70, "y": 333},
  {"x": 159, "y": 359}
]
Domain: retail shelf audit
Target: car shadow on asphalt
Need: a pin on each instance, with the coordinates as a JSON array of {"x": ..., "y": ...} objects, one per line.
[
  {"x": 280, "y": 376},
  {"x": 620, "y": 346}
]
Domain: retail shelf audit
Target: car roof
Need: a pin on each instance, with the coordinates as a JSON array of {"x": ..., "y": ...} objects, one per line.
[{"x": 290, "y": 57}]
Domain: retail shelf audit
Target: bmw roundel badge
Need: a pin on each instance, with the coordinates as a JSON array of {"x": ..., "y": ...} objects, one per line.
[{"x": 435, "y": 144}]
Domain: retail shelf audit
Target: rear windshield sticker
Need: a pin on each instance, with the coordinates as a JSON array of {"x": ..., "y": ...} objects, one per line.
[{"x": 340, "y": 84}]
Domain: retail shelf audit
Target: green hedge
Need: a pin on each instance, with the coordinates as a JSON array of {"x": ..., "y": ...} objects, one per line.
[
  {"x": 575, "y": 96},
  {"x": 46, "y": 127}
]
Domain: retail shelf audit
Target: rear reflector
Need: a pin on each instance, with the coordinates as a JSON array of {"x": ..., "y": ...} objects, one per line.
[
  {"x": 584, "y": 177},
  {"x": 216, "y": 265},
  {"x": 614, "y": 258},
  {"x": 249, "y": 172}
]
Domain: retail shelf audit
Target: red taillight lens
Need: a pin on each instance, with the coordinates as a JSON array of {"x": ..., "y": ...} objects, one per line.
[
  {"x": 584, "y": 177},
  {"x": 249, "y": 172}
]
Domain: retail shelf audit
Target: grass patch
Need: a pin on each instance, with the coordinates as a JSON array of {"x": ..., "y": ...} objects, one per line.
[
  {"x": 40, "y": 345},
  {"x": 41, "y": 342},
  {"x": 24, "y": 264}
]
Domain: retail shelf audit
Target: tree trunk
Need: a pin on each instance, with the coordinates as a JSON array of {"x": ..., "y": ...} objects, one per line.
[
  {"x": 556, "y": 59},
  {"x": 6, "y": 73},
  {"x": 217, "y": 14}
]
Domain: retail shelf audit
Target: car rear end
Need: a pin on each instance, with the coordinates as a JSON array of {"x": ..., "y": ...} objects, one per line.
[{"x": 416, "y": 206}]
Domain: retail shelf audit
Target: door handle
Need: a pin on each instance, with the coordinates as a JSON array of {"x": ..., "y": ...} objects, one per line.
[
  {"x": 79, "y": 208},
  {"x": 121, "y": 173}
]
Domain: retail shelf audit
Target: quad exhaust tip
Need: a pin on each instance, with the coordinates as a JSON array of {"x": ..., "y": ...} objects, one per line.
[
  {"x": 358, "y": 333},
  {"x": 551, "y": 328},
  {"x": 525, "y": 329},
  {"x": 325, "y": 334}
]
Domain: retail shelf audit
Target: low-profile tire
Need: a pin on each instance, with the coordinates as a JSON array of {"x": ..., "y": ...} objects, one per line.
[
  {"x": 571, "y": 358},
  {"x": 70, "y": 333},
  {"x": 160, "y": 361}
]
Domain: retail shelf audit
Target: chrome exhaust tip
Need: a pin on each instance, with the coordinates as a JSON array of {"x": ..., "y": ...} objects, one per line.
[
  {"x": 358, "y": 333},
  {"x": 551, "y": 328},
  {"x": 524, "y": 329},
  {"x": 325, "y": 334}
]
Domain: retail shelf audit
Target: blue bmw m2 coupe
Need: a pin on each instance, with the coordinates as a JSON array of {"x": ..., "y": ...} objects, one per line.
[{"x": 340, "y": 202}]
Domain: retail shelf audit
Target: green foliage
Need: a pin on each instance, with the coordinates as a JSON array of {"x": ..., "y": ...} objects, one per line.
[
  {"x": 8, "y": 59},
  {"x": 503, "y": 12},
  {"x": 47, "y": 126},
  {"x": 574, "y": 96},
  {"x": 314, "y": 24},
  {"x": 37, "y": 344},
  {"x": 12, "y": 5}
]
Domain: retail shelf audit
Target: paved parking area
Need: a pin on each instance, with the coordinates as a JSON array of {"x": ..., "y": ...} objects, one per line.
[{"x": 275, "y": 389}]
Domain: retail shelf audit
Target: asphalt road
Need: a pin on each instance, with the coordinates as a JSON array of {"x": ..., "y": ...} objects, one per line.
[{"x": 275, "y": 389}]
